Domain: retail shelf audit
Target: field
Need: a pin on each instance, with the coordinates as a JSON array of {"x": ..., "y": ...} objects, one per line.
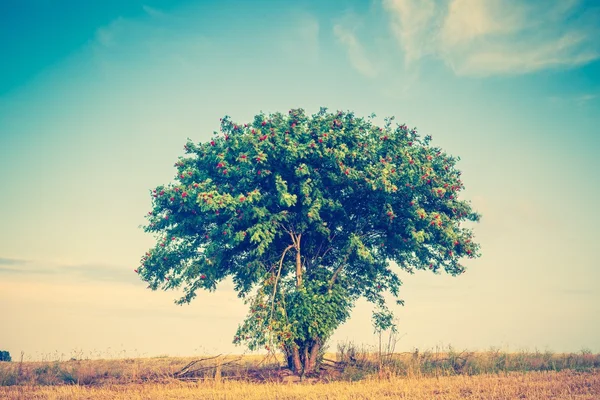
[
  {"x": 532, "y": 385},
  {"x": 353, "y": 375}
]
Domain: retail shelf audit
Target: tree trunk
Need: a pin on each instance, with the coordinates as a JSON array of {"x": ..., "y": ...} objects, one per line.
[
  {"x": 305, "y": 362},
  {"x": 297, "y": 363},
  {"x": 289, "y": 358},
  {"x": 314, "y": 357},
  {"x": 303, "y": 358}
]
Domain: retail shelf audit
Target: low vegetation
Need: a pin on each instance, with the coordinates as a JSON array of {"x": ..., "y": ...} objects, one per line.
[
  {"x": 350, "y": 363},
  {"x": 534, "y": 386}
]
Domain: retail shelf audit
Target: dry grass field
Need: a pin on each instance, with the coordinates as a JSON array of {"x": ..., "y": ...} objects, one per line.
[
  {"x": 355, "y": 374},
  {"x": 532, "y": 385}
]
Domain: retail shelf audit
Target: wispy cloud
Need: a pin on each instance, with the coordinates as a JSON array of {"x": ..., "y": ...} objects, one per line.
[
  {"x": 42, "y": 271},
  {"x": 301, "y": 39},
  {"x": 586, "y": 97},
  {"x": 106, "y": 36},
  {"x": 412, "y": 22},
  {"x": 168, "y": 39},
  {"x": 487, "y": 37},
  {"x": 356, "y": 52},
  {"x": 153, "y": 12},
  {"x": 12, "y": 261},
  {"x": 581, "y": 100}
]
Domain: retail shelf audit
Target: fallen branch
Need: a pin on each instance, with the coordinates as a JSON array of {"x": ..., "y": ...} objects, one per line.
[{"x": 185, "y": 370}]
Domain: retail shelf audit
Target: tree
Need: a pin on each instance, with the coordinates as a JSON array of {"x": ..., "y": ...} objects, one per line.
[
  {"x": 5, "y": 356},
  {"x": 307, "y": 214}
]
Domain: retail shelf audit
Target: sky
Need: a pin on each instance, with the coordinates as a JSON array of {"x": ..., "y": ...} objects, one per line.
[{"x": 98, "y": 98}]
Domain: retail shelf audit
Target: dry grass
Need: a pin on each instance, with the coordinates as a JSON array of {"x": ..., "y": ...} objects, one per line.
[
  {"x": 451, "y": 362},
  {"x": 120, "y": 371},
  {"x": 358, "y": 374},
  {"x": 354, "y": 364},
  {"x": 533, "y": 385}
]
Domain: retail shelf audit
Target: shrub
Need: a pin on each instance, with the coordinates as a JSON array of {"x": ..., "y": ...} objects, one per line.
[{"x": 5, "y": 356}]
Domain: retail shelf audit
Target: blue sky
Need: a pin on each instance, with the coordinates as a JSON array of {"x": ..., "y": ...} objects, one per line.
[{"x": 97, "y": 100}]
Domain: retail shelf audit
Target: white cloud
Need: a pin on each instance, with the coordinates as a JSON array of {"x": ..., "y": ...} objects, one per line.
[
  {"x": 504, "y": 58},
  {"x": 487, "y": 37},
  {"x": 356, "y": 52},
  {"x": 469, "y": 19},
  {"x": 412, "y": 24}
]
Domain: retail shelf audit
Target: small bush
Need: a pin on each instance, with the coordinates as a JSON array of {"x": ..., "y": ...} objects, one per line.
[
  {"x": 9, "y": 378},
  {"x": 353, "y": 374},
  {"x": 5, "y": 356}
]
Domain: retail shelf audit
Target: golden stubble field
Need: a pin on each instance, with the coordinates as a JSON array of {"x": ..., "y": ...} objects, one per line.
[
  {"x": 428, "y": 375},
  {"x": 530, "y": 385}
]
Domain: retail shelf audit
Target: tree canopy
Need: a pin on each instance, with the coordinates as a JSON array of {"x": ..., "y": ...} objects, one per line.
[{"x": 307, "y": 214}]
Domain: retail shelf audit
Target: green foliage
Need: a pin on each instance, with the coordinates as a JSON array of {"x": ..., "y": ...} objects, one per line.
[
  {"x": 383, "y": 320},
  {"x": 290, "y": 316},
  {"x": 5, "y": 356},
  {"x": 307, "y": 213}
]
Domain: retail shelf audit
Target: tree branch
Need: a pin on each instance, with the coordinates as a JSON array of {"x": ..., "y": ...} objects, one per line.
[
  {"x": 327, "y": 251},
  {"x": 298, "y": 262},
  {"x": 293, "y": 236},
  {"x": 338, "y": 270},
  {"x": 277, "y": 280},
  {"x": 186, "y": 369}
]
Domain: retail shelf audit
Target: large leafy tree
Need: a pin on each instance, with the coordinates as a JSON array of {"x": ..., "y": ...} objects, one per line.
[{"x": 307, "y": 214}]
